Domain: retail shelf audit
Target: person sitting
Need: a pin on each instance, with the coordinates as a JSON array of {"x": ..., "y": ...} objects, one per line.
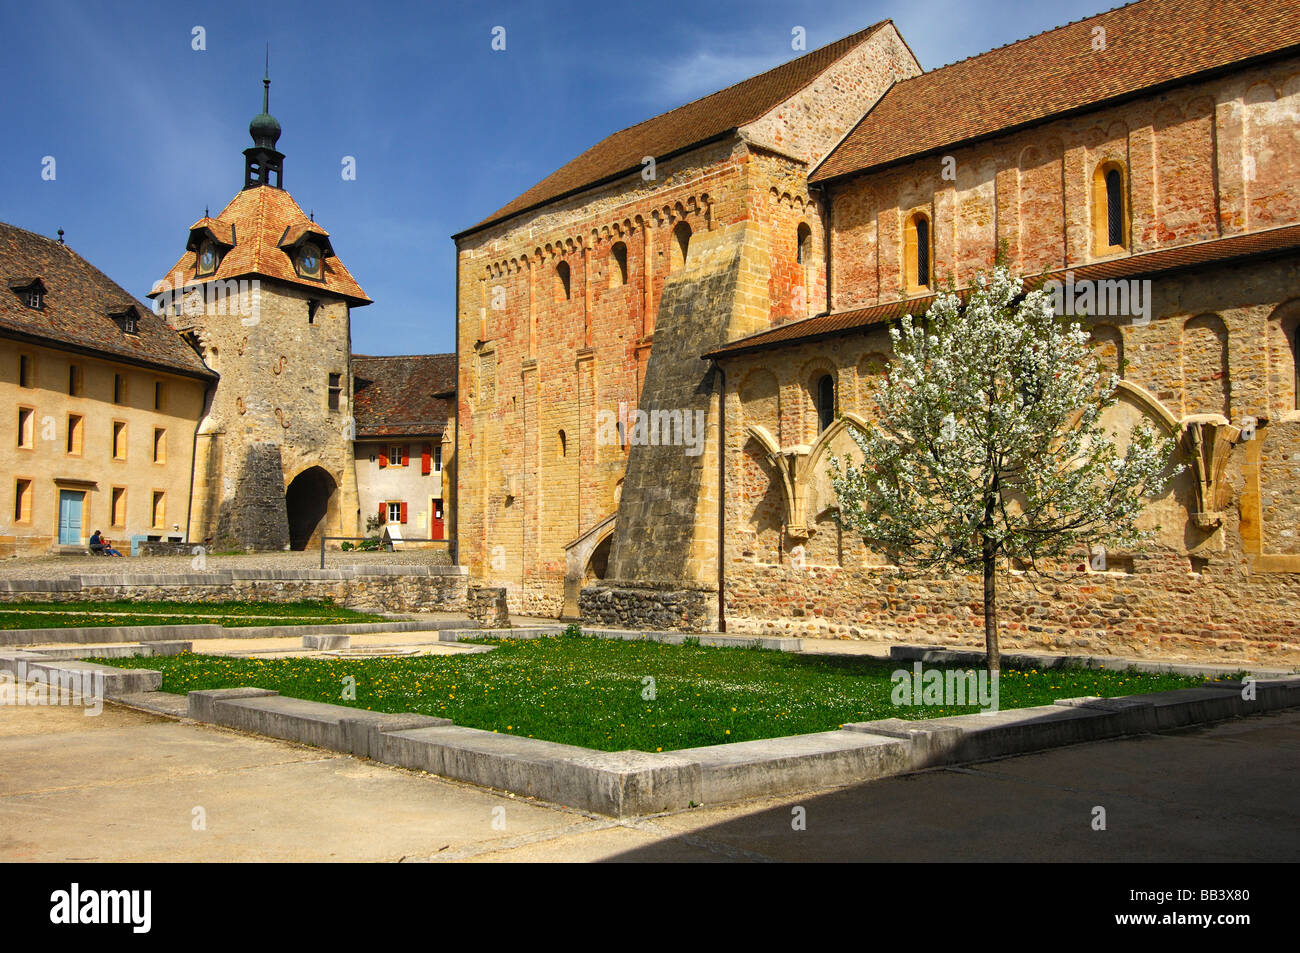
[{"x": 100, "y": 546}]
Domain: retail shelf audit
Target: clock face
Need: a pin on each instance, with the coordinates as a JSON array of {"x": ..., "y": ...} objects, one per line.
[
  {"x": 309, "y": 261},
  {"x": 207, "y": 258}
]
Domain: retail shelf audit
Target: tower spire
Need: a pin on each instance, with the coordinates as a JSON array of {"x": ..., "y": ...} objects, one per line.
[{"x": 263, "y": 163}]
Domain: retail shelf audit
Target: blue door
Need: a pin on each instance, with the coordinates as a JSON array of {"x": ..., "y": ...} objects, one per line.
[{"x": 70, "y": 517}]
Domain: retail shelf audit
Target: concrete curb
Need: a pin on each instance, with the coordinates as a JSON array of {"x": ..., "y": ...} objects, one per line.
[
  {"x": 635, "y": 783},
  {"x": 168, "y": 633},
  {"x": 773, "y": 643}
]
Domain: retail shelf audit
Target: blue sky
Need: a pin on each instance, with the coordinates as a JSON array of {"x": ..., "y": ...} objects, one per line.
[{"x": 146, "y": 132}]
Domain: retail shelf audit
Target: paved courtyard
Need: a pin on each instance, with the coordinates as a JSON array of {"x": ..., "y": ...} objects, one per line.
[{"x": 129, "y": 786}]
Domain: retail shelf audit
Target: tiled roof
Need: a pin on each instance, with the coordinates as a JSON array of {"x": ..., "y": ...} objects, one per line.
[
  {"x": 1214, "y": 252},
  {"x": 1149, "y": 43},
  {"x": 397, "y": 396},
  {"x": 78, "y": 301},
  {"x": 262, "y": 219},
  {"x": 680, "y": 128}
]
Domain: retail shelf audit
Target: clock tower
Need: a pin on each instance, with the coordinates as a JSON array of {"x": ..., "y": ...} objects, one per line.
[{"x": 261, "y": 294}]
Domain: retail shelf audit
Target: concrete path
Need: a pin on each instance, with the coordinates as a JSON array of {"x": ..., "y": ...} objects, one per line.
[{"x": 126, "y": 785}]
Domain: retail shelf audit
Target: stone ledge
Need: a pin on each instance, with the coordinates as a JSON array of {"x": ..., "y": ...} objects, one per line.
[
  {"x": 162, "y": 634},
  {"x": 1027, "y": 660},
  {"x": 111, "y": 682}
]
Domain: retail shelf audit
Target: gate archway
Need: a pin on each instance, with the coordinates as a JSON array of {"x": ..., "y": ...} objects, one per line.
[{"x": 308, "y": 500}]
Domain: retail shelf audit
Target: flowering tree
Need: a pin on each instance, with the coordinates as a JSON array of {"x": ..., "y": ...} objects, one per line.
[{"x": 989, "y": 444}]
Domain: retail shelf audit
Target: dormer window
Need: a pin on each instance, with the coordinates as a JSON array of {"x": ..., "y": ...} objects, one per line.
[
  {"x": 127, "y": 320},
  {"x": 30, "y": 291}
]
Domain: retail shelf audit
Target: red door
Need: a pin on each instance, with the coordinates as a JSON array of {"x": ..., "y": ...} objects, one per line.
[{"x": 435, "y": 522}]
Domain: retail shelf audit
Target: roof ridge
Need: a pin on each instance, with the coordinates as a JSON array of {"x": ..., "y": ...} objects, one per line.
[
  {"x": 863, "y": 34},
  {"x": 1023, "y": 39}
]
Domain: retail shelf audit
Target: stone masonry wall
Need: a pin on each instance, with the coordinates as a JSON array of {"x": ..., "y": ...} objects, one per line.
[
  {"x": 1220, "y": 578},
  {"x": 431, "y": 589}
]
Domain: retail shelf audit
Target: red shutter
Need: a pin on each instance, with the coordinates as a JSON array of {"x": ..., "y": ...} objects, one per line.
[
  {"x": 426, "y": 459},
  {"x": 383, "y": 513},
  {"x": 406, "y": 455},
  {"x": 383, "y": 458},
  {"x": 403, "y": 512}
]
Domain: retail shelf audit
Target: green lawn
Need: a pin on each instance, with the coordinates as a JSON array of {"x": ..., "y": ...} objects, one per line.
[
  {"x": 60, "y": 615},
  {"x": 589, "y": 691}
]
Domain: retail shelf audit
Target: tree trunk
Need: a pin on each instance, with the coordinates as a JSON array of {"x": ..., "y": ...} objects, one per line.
[{"x": 992, "y": 653}]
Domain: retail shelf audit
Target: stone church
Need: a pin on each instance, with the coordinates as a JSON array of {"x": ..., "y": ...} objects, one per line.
[{"x": 730, "y": 269}]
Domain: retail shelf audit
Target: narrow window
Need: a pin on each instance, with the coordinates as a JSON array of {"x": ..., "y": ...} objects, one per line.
[
  {"x": 562, "y": 281},
  {"x": 119, "y": 506},
  {"x": 24, "y": 371},
  {"x": 119, "y": 440},
  {"x": 1295, "y": 362},
  {"x": 74, "y": 433},
  {"x": 923, "y": 252},
  {"x": 825, "y": 402},
  {"x": 74, "y": 380},
  {"x": 312, "y": 307},
  {"x": 437, "y": 458},
  {"x": 803, "y": 238},
  {"x": 916, "y": 252},
  {"x": 26, "y": 427},
  {"x": 681, "y": 244},
  {"x": 23, "y": 501},
  {"x": 335, "y": 390},
  {"x": 1115, "y": 207},
  {"x": 159, "y": 508},
  {"x": 159, "y": 395},
  {"x": 159, "y": 445},
  {"x": 564, "y": 445},
  {"x": 119, "y": 389},
  {"x": 618, "y": 265}
]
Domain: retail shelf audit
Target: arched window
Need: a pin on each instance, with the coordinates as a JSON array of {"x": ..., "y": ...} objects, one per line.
[
  {"x": 1115, "y": 207},
  {"x": 803, "y": 251},
  {"x": 681, "y": 244},
  {"x": 916, "y": 241},
  {"x": 618, "y": 265},
  {"x": 563, "y": 445},
  {"x": 1109, "y": 209},
  {"x": 825, "y": 402},
  {"x": 562, "y": 281}
]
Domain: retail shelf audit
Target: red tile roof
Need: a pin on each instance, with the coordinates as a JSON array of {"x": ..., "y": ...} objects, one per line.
[
  {"x": 399, "y": 396},
  {"x": 262, "y": 219},
  {"x": 1148, "y": 43},
  {"x": 681, "y": 128},
  {"x": 78, "y": 301},
  {"x": 1217, "y": 251}
]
